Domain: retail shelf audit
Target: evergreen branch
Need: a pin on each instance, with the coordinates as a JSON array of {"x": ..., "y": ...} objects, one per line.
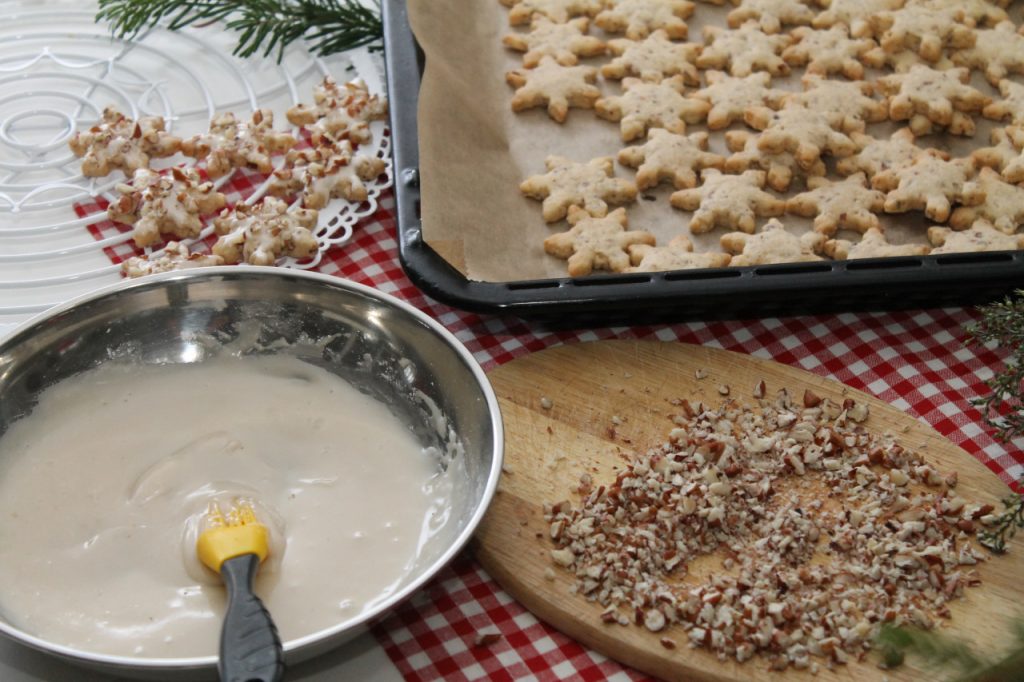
[
  {"x": 265, "y": 26},
  {"x": 941, "y": 652},
  {"x": 1002, "y": 323},
  {"x": 1006, "y": 525}
]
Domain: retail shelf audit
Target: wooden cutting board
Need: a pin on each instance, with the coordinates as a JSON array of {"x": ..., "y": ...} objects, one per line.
[{"x": 588, "y": 385}]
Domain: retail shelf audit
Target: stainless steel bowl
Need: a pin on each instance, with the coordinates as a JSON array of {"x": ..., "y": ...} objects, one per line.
[{"x": 380, "y": 344}]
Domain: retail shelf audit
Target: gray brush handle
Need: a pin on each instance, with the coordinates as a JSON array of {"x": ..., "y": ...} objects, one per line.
[{"x": 250, "y": 649}]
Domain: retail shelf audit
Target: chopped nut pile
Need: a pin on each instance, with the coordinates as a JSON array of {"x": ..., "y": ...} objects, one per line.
[{"x": 828, "y": 530}]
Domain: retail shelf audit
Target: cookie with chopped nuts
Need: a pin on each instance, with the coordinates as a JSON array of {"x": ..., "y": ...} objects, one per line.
[
  {"x": 232, "y": 144},
  {"x": 1011, "y": 107},
  {"x": 644, "y": 105},
  {"x": 560, "y": 11},
  {"x": 174, "y": 256},
  {"x": 872, "y": 244},
  {"x": 847, "y": 204},
  {"x": 981, "y": 236},
  {"x": 678, "y": 255},
  {"x": 848, "y": 106},
  {"x": 652, "y": 59},
  {"x": 565, "y": 43},
  {"x": 804, "y": 133},
  {"x": 671, "y": 157},
  {"x": 1006, "y": 154},
  {"x": 639, "y": 18},
  {"x": 171, "y": 204},
  {"x": 118, "y": 142},
  {"x": 596, "y": 243},
  {"x": 743, "y": 50},
  {"x": 854, "y": 14},
  {"x": 922, "y": 30},
  {"x": 340, "y": 112},
  {"x": 770, "y": 15},
  {"x": 828, "y": 52},
  {"x": 932, "y": 184},
  {"x": 1003, "y": 205},
  {"x": 554, "y": 86},
  {"x": 998, "y": 52},
  {"x": 326, "y": 172},
  {"x": 929, "y": 98},
  {"x": 729, "y": 97},
  {"x": 261, "y": 233},
  {"x": 589, "y": 185},
  {"x": 772, "y": 244},
  {"x": 878, "y": 157},
  {"x": 730, "y": 201},
  {"x": 782, "y": 168}
]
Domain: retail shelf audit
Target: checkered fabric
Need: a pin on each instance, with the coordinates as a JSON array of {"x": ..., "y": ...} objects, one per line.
[{"x": 914, "y": 360}]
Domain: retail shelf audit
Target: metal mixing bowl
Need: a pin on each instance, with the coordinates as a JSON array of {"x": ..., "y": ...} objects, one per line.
[{"x": 383, "y": 346}]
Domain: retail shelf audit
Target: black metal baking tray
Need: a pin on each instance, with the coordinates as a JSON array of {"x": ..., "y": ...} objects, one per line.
[{"x": 868, "y": 284}]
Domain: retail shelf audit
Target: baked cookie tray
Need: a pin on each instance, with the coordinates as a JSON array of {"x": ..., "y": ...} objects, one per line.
[{"x": 733, "y": 292}]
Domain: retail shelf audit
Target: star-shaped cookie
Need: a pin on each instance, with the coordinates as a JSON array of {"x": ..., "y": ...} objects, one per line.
[
  {"x": 932, "y": 184},
  {"x": 744, "y": 50},
  {"x": 232, "y": 144},
  {"x": 804, "y": 133},
  {"x": 981, "y": 236},
  {"x": 872, "y": 244},
  {"x": 678, "y": 255},
  {"x": 925, "y": 97},
  {"x": 652, "y": 59},
  {"x": 782, "y": 168},
  {"x": 262, "y": 233},
  {"x": 1010, "y": 107},
  {"x": 770, "y": 15},
  {"x": 118, "y": 142},
  {"x": 555, "y": 86},
  {"x": 596, "y": 243},
  {"x": 638, "y": 18},
  {"x": 772, "y": 244},
  {"x": 565, "y": 43},
  {"x": 327, "y": 172},
  {"x": 589, "y": 185},
  {"x": 854, "y": 14},
  {"x": 340, "y": 112},
  {"x": 847, "y": 204},
  {"x": 1003, "y": 205},
  {"x": 729, "y": 97},
  {"x": 879, "y": 157},
  {"x": 848, "y": 106},
  {"x": 730, "y": 201},
  {"x": 156, "y": 204},
  {"x": 174, "y": 256},
  {"x": 671, "y": 157},
  {"x": 828, "y": 52},
  {"x": 924, "y": 30},
  {"x": 998, "y": 52},
  {"x": 1006, "y": 154},
  {"x": 559, "y": 11},
  {"x": 645, "y": 105}
]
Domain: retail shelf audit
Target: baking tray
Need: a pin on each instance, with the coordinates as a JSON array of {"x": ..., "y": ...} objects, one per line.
[{"x": 759, "y": 291}]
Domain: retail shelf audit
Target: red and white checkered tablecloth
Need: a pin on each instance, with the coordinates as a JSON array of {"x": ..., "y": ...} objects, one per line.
[{"x": 914, "y": 360}]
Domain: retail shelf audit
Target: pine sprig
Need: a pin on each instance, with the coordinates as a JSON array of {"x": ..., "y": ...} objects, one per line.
[
  {"x": 1002, "y": 323},
  {"x": 1006, "y": 525},
  {"x": 265, "y": 26},
  {"x": 953, "y": 656}
]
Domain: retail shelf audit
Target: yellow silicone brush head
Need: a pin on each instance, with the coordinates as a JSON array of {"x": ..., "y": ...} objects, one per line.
[{"x": 225, "y": 536}]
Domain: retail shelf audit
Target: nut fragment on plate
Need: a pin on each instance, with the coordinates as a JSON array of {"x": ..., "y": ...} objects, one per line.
[
  {"x": 175, "y": 256},
  {"x": 340, "y": 112},
  {"x": 262, "y": 233},
  {"x": 232, "y": 144},
  {"x": 118, "y": 142},
  {"x": 170, "y": 204}
]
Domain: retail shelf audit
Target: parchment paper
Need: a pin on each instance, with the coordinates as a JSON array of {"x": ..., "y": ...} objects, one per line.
[{"x": 474, "y": 150}]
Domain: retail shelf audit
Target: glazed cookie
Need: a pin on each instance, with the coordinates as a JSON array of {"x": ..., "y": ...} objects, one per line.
[
  {"x": 878, "y": 158},
  {"x": 731, "y": 201},
  {"x": 596, "y": 243},
  {"x": 828, "y": 52},
  {"x": 729, "y": 97},
  {"x": 770, "y": 15},
  {"x": 848, "y": 106},
  {"x": 1010, "y": 107},
  {"x": 588, "y": 185},
  {"x": 872, "y": 245},
  {"x": 1006, "y": 154},
  {"x": 773, "y": 244},
  {"x": 932, "y": 184},
  {"x": 121, "y": 143},
  {"x": 925, "y": 97},
  {"x": 804, "y": 133},
  {"x": 922, "y": 30},
  {"x": 998, "y": 52},
  {"x": 638, "y": 18},
  {"x": 678, "y": 255},
  {"x": 156, "y": 204},
  {"x": 326, "y": 172},
  {"x": 262, "y": 233},
  {"x": 653, "y": 59},
  {"x": 781, "y": 168},
  {"x": 559, "y": 11},
  {"x": 555, "y": 86},
  {"x": 854, "y": 14},
  {"x": 981, "y": 236},
  {"x": 667, "y": 156},
  {"x": 175, "y": 256},
  {"x": 847, "y": 204},
  {"x": 340, "y": 112},
  {"x": 645, "y": 105},
  {"x": 743, "y": 50},
  {"x": 565, "y": 43},
  {"x": 1003, "y": 205},
  {"x": 232, "y": 144},
  {"x": 974, "y": 12}
]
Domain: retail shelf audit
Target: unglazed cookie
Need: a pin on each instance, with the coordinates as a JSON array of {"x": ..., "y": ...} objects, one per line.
[
  {"x": 770, "y": 15},
  {"x": 638, "y": 18},
  {"x": 743, "y": 50},
  {"x": 848, "y": 106},
  {"x": 878, "y": 158},
  {"x": 118, "y": 142},
  {"x": 1006, "y": 154},
  {"x": 854, "y": 14},
  {"x": 730, "y": 201},
  {"x": 923, "y": 30},
  {"x": 872, "y": 244},
  {"x": 555, "y": 86},
  {"x": 974, "y": 12},
  {"x": 232, "y": 144},
  {"x": 156, "y": 204},
  {"x": 559, "y": 11},
  {"x": 981, "y": 236},
  {"x": 671, "y": 157},
  {"x": 1003, "y": 205},
  {"x": 596, "y": 243},
  {"x": 175, "y": 256},
  {"x": 998, "y": 52},
  {"x": 847, "y": 204},
  {"x": 1010, "y": 107},
  {"x": 567, "y": 183},
  {"x": 678, "y": 255},
  {"x": 781, "y": 168},
  {"x": 565, "y": 43},
  {"x": 340, "y": 112},
  {"x": 828, "y": 52},
  {"x": 645, "y": 105},
  {"x": 262, "y": 233},
  {"x": 772, "y": 244},
  {"x": 932, "y": 184},
  {"x": 730, "y": 97},
  {"x": 804, "y": 133},
  {"x": 652, "y": 59},
  {"x": 326, "y": 172},
  {"x": 925, "y": 97}
]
